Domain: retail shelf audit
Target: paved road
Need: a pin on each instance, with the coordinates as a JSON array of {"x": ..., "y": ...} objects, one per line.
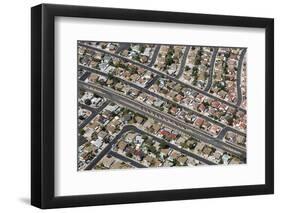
[
  {"x": 81, "y": 140},
  {"x": 94, "y": 111},
  {"x": 87, "y": 107},
  {"x": 224, "y": 131},
  {"x": 153, "y": 59},
  {"x": 84, "y": 76},
  {"x": 184, "y": 151},
  {"x": 150, "y": 83},
  {"x": 183, "y": 61},
  {"x": 122, "y": 46},
  {"x": 164, "y": 75},
  {"x": 167, "y": 119},
  {"x": 87, "y": 120},
  {"x": 210, "y": 79},
  {"x": 155, "y": 54},
  {"x": 222, "y": 134},
  {"x": 108, "y": 148},
  {"x": 163, "y": 98},
  {"x": 239, "y": 69},
  {"x": 126, "y": 159}
]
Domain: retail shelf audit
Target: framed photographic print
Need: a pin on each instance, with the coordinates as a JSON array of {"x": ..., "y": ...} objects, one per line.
[{"x": 139, "y": 106}]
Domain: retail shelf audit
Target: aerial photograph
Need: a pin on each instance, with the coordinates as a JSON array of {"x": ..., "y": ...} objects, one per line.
[{"x": 144, "y": 105}]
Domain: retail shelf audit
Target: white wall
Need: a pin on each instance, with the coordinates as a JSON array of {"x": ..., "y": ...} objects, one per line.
[{"x": 15, "y": 105}]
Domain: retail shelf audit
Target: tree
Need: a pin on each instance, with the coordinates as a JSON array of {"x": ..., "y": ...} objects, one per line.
[
  {"x": 221, "y": 85},
  {"x": 175, "y": 162},
  {"x": 229, "y": 120},
  {"x": 194, "y": 82},
  {"x": 144, "y": 137},
  {"x": 200, "y": 52},
  {"x": 111, "y": 63},
  {"x": 194, "y": 71},
  {"x": 129, "y": 154},
  {"x": 110, "y": 76},
  {"x": 184, "y": 145},
  {"x": 136, "y": 58},
  {"x": 187, "y": 68},
  {"x": 88, "y": 102},
  {"x": 170, "y": 52},
  {"x": 206, "y": 103},
  {"x": 81, "y": 118},
  {"x": 152, "y": 149},
  {"x": 163, "y": 145},
  {"x": 169, "y": 60},
  {"x": 225, "y": 70},
  {"x": 191, "y": 146},
  {"x": 142, "y": 48},
  {"x": 82, "y": 131},
  {"x": 226, "y": 55},
  {"x": 197, "y": 60}
]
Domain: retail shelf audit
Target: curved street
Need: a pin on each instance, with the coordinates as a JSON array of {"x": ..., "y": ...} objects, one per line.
[
  {"x": 239, "y": 69},
  {"x": 207, "y": 126},
  {"x": 210, "y": 79},
  {"x": 163, "y": 99},
  {"x": 164, "y": 75},
  {"x": 163, "y": 118}
]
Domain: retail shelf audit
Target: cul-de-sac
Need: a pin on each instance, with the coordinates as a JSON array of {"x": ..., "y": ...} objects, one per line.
[{"x": 143, "y": 105}]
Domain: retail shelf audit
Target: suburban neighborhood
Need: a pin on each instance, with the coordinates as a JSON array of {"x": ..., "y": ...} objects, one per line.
[{"x": 160, "y": 105}]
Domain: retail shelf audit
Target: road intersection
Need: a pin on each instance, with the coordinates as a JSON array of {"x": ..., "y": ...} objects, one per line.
[{"x": 113, "y": 96}]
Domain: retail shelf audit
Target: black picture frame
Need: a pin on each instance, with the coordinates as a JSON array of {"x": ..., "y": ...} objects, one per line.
[{"x": 43, "y": 102}]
